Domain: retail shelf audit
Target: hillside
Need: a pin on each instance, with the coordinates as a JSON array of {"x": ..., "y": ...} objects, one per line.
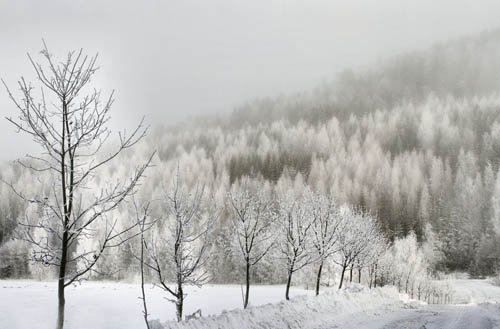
[{"x": 415, "y": 140}]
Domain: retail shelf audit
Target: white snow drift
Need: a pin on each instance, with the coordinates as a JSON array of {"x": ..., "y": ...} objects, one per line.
[{"x": 300, "y": 312}]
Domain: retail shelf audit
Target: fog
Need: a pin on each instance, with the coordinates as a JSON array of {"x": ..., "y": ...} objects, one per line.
[{"x": 169, "y": 60}]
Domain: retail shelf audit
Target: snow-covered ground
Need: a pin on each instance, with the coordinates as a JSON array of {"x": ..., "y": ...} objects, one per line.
[
  {"x": 332, "y": 309},
  {"x": 368, "y": 309},
  {"x": 474, "y": 292},
  {"x": 110, "y": 305}
]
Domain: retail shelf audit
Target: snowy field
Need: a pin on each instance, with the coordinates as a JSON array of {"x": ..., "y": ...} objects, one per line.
[{"x": 111, "y": 305}]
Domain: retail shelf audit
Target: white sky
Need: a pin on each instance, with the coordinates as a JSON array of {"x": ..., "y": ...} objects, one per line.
[{"x": 170, "y": 59}]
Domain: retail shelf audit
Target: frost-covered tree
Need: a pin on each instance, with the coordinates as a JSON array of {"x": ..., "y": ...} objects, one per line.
[
  {"x": 142, "y": 215},
  {"x": 295, "y": 220},
  {"x": 326, "y": 226},
  {"x": 356, "y": 238},
  {"x": 377, "y": 246},
  {"x": 69, "y": 123},
  {"x": 179, "y": 242},
  {"x": 252, "y": 217},
  {"x": 407, "y": 264},
  {"x": 495, "y": 201}
]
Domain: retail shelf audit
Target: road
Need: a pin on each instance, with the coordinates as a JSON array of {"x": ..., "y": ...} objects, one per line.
[
  {"x": 476, "y": 306},
  {"x": 450, "y": 317},
  {"x": 427, "y": 317}
]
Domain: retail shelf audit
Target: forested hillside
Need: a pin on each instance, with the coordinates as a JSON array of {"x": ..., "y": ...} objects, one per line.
[{"x": 414, "y": 141}]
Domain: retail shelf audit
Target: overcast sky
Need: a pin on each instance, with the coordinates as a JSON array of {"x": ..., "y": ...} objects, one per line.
[{"x": 170, "y": 59}]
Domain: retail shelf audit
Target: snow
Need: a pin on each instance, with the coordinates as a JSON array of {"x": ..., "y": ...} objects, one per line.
[
  {"x": 110, "y": 305},
  {"x": 360, "y": 308},
  {"x": 474, "y": 291},
  {"x": 301, "y": 312},
  {"x": 429, "y": 317},
  {"x": 113, "y": 305}
]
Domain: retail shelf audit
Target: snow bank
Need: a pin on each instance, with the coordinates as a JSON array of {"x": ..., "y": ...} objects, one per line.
[{"x": 300, "y": 312}]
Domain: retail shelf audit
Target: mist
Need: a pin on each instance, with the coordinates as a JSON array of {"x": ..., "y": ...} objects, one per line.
[{"x": 170, "y": 60}]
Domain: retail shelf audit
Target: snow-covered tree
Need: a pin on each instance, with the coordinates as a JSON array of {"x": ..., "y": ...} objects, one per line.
[
  {"x": 356, "y": 238},
  {"x": 495, "y": 201},
  {"x": 370, "y": 257},
  {"x": 327, "y": 223},
  {"x": 179, "y": 241},
  {"x": 70, "y": 126},
  {"x": 407, "y": 264},
  {"x": 295, "y": 221},
  {"x": 252, "y": 217}
]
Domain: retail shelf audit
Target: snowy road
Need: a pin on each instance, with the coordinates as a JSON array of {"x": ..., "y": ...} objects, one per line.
[
  {"x": 452, "y": 317},
  {"x": 428, "y": 317},
  {"x": 477, "y": 306}
]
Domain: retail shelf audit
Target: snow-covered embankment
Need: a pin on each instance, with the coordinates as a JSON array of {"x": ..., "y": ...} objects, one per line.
[{"x": 300, "y": 312}]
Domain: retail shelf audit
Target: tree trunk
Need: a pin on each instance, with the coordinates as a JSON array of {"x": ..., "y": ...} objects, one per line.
[
  {"x": 370, "y": 276},
  {"x": 288, "y": 282},
  {"x": 60, "y": 306},
  {"x": 342, "y": 275},
  {"x": 318, "y": 278},
  {"x": 60, "y": 284},
  {"x": 359, "y": 275},
  {"x": 67, "y": 205},
  {"x": 350, "y": 274},
  {"x": 144, "y": 303},
  {"x": 245, "y": 303},
  {"x": 180, "y": 301}
]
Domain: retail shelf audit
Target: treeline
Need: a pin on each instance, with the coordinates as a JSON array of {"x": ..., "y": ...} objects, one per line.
[
  {"x": 303, "y": 235},
  {"x": 435, "y": 163}
]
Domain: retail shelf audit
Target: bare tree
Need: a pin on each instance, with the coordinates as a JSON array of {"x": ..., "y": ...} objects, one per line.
[
  {"x": 251, "y": 219},
  {"x": 326, "y": 228},
  {"x": 70, "y": 125},
  {"x": 142, "y": 215},
  {"x": 185, "y": 242},
  {"x": 295, "y": 221}
]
